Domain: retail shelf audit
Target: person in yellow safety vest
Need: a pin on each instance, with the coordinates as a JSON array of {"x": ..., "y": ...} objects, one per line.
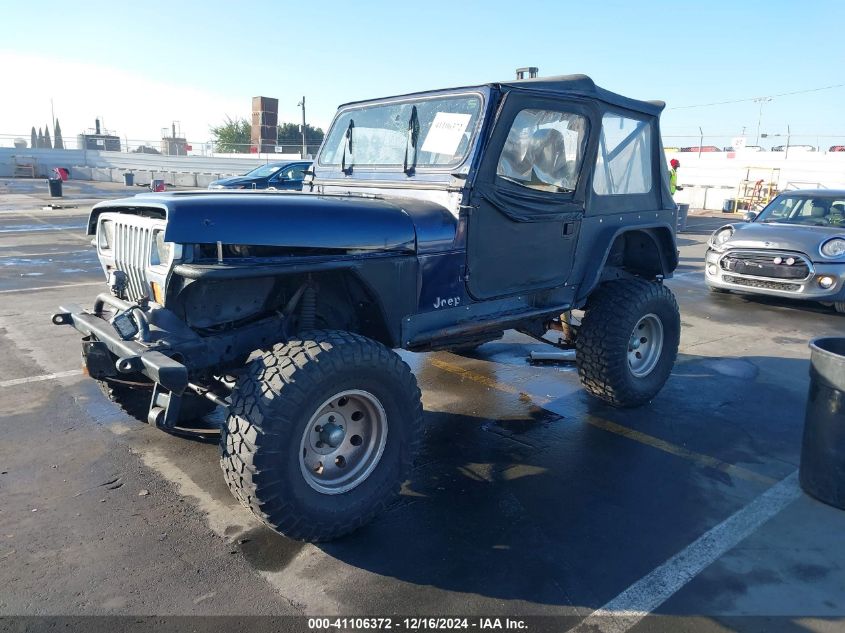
[{"x": 673, "y": 176}]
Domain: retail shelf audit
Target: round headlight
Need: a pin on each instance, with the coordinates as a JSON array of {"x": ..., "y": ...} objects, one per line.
[
  {"x": 833, "y": 248},
  {"x": 722, "y": 235}
]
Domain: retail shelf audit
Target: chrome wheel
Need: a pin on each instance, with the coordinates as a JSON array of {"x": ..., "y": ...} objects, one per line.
[
  {"x": 343, "y": 442},
  {"x": 645, "y": 345}
]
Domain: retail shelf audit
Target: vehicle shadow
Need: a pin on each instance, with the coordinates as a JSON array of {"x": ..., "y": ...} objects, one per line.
[
  {"x": 552, "y": 508},
  {"x": 782, "y": 302}
]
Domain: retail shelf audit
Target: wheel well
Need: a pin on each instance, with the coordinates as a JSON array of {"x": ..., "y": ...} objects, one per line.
[
  {"x": 644, "y": 252},
  {"x": 338, "y": 300},
  {"x": 344, "y": 302}
]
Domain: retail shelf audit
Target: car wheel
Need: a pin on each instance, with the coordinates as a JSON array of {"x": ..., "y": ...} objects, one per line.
[
  {"x": 321, "y": 433},
  {"x": 628, "y": 341},
  {"x": 839, "y": 306}
]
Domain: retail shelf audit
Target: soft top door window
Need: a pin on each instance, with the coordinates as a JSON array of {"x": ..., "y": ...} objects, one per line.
[
  {"x": 623, "y": 164},
  {"x": 544, "y": 150}
]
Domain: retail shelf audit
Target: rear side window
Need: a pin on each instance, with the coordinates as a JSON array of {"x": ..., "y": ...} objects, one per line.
[
  {"x": 544, "y": 150},
  {"x": 623, "y": 165}
]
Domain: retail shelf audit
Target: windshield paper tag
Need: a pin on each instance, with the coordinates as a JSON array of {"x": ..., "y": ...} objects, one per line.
[{"x": 446, "y": 133}]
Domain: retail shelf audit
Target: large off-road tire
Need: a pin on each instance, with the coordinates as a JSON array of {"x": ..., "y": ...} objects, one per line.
[
  {"x": 135, "y": 401},
  {"x": 628, "y": 341},
  {"x": 839, "y": 306},
  {"x": 321, "y": 433}
]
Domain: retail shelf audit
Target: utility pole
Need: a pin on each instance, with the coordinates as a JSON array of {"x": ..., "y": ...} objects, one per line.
[
  {"x": 304, "y": 146},
  {"x": 761, "y": 101}
]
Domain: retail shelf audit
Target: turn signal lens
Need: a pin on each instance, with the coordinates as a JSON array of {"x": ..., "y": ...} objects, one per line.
[{"x": 158, "y": 295}]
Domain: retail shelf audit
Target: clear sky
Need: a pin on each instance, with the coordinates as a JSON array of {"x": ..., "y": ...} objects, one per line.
[{"x": 140, "y": 65}]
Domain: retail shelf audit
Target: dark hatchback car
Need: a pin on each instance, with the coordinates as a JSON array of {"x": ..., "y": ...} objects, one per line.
[{"x": 287, "y": 175}]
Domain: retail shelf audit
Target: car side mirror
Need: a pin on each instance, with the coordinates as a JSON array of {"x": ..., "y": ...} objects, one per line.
[{"x": 750, "y": 216}]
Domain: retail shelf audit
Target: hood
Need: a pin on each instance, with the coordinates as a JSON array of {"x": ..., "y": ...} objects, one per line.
[
  {"x": 236, "y": 181},
  {"x": 788, "y": 237},
  {"x": 276, "y": 219}
]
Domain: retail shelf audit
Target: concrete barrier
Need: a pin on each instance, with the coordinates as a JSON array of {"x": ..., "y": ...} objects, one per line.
[
  {"x": 142, "y": 177},
  {"x": 166, "y": 176},
  {"x": 80, "y": 172},
  {"x": 101, "y": 174},
  {"x": 185, "y": 180},
  {"x": 203, "y": 180}
]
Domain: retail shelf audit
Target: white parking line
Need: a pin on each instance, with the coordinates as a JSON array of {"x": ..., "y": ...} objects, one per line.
[
  {"x": 22, "y": 381},
  {"x": 691, "y": 273},
  {"x": 625, "y": 610},
  {"x": 84, "y": 283},
  {"x": 28, "y": 255}
]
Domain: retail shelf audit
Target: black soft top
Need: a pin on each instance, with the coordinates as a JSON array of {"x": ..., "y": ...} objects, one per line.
[
  {"x": 578, "y": 85},
  {"x": 582, "y": 85}
]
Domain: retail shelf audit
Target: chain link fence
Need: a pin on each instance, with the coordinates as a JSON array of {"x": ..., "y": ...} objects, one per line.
[
  {"x": 787, "y": 143},
  {"x": 164, "y": 146}
]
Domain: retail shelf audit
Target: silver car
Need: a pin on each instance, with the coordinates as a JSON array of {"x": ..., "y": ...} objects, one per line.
[{"x": 794, "y": 248}]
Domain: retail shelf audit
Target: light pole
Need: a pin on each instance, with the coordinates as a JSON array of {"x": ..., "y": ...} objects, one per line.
[
  {"x": 761, "y": 101},
  {"x": 304, "y": 146}
]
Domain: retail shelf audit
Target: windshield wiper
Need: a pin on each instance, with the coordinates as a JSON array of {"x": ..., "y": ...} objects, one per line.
[
  {"x": 347, "y": 144},
  {"x": 411, "y": 141}
]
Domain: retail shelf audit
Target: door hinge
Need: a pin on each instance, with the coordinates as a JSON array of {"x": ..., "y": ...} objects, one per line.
[
  {"x": 464, "y": 274},
  {"x": 568, "y": 228}
]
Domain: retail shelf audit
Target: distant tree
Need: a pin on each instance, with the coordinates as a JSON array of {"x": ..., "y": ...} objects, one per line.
[
  {"x": 40, "y": 143},
  {"x": 58, "y": 142},
  {"x": 33, "y": 138},
  {"x": 289, "y": 134},
  {"x": 232, "y": 136},
  {"x": 145, "y": 149},
  {"x": 47, "y": 142}
]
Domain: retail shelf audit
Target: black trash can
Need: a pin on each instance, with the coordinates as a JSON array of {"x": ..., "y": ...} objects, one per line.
[
  {"x": 55, "y": 187},
  {"x": 822, "y": 470},
  {"x": 128, "y": 178}
]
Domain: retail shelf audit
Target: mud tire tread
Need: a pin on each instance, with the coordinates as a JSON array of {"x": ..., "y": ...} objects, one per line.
[{"x": 266, "y": 412}]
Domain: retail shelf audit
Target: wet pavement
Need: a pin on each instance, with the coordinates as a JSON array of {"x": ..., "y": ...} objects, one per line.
[{"x": 529, "y": 498}]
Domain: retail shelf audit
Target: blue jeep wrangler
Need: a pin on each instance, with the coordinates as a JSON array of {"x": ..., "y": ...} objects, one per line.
[{"x": 428, "y": 221}]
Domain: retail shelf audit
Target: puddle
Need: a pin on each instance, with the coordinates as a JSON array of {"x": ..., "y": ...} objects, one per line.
[
  {"x": 536, "y": 417},
  {"x": 733, "y": 367}
]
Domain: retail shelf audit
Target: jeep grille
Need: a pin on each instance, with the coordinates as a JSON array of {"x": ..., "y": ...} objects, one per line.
[{"x": 132, "y": 253}]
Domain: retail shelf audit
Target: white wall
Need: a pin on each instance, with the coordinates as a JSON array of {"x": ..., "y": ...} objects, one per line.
[
  {"x": 713, "y": 177},
  {"x": 708, "y": 180},
  {"x": 47, "y": 159}
]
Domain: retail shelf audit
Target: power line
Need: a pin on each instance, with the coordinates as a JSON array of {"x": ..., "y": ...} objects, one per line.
[{"x": 782, "y": 94}]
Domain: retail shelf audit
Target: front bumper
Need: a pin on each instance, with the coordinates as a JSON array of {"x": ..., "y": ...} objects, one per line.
[
  {"x": 131, "y": 355},
  {"x": 165, "y": 349},
  {"x": 807, "y": 288}
]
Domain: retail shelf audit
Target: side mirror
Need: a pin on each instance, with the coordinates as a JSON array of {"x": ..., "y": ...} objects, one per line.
[{"x": 750, "y": 216}]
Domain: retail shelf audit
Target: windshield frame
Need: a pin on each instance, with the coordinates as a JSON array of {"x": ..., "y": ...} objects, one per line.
[
  {"x": 802, "y": 199},
  {"x": 482, "y": 96}
]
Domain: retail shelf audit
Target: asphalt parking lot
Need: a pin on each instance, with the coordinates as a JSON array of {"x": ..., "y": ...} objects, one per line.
[{"x": 528, "y": 499}]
